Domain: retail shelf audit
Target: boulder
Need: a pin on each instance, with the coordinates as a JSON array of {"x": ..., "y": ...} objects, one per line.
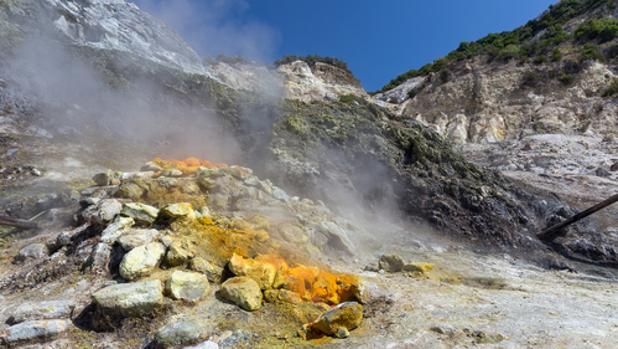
[
  {"x": 141, "y": 260},
  {"x": 242, "y": 291},
  {"x": 151, "y": 166},
  {"x": 263, "y": 273},
  {"x": 130, "y": 299},
  {"x": 105, "y": 179},
  {"x": 601, "y": 172},
  {"x": 172, "y": 172},
  {"x": 133, "y": 238},
  {"x": 113, "y": 231},
  {"x": 57, "y": 309},
  {"x": 130, "y": 190},
  {"x": 32, "y": 251},
  {"x": 282, "y": 296},
  {"x": 418, "y": 267},
  {"x": 179, "y": 253},
  {"x": 142, "y": 214},
  {"x": 35, "y": 330},
  {"x": 182, "y": 332},
  {"x": 391, "y": 263},
  {"x": 187, "y": 286},
  {"x": 99, "y": 258},
  {"x": 103, "y": 212},
  {"x": 182, "y": 210},
  {"x": 338, "y": 321},
  {"x": 212, "y": 272}
]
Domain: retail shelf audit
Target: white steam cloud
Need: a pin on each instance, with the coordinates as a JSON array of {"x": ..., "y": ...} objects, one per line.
[{"x": 215, "y": 27}]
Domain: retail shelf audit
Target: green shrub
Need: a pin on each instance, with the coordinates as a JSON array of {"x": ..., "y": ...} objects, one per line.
[
  {"x": 566, "y": 78},
  {"x": 519, "y": 44},
  {"x": 600, "y": 30},
  {"x": 572, "y": 67},
  {"x": 539, "y": 59},
  {"x": 532, "y": 79},
  {"x": 509, "y": 52},
  {"x": 298, "y": 125},
  {"x": 556, "y": 55},
  {"x": 612, "y": 90},
  {"x": 591, "y": 51},
  {"x": 348, "y": 99}
]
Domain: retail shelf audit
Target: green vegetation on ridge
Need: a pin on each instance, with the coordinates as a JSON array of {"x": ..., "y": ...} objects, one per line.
[
  {"x": 312, "y": 60},
  {"x": 537, "y": 41}
]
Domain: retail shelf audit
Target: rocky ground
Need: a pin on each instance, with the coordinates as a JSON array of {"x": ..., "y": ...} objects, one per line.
[
  {"x": 157, "y": 259},
  {"x": 379, "y": 230}
]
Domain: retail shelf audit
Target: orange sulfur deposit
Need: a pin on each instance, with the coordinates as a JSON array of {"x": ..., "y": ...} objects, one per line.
[
  {"x": 187, "y": 166},
  {"x": 310, "y": 283}
]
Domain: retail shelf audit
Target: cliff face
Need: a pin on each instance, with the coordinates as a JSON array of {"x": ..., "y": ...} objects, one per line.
[
  {"x": 553, "y": 75},
  {"x": 538, "y": 103}
]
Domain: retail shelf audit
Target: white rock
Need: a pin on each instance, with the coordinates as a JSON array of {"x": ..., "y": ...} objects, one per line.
[
  {"x": 33, "y": 251},
  {"x": 56, "y": 309},
  {"x": 130, "y": 299},
  {"x": 133, "y": 238},
  {"x": 36, "y": 330},
  {"x": 204, "y": 345},
  {"x": 141, "y": 260},
  {"x": 113, "y": 231}
]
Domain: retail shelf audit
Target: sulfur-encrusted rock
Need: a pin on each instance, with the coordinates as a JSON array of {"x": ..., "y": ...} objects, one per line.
[
  {"x": 181, "y": 210},
  {"x": 283, "y": 296},
  {"x": 242, "y": 291},
  {"x": 57, "y": 309},
  {"x": 187, "y": 286},
  {"x": 339, "y": 321},
  {"x": 133, "y": 238},
  {"x": 141, "y": 260},
  {"x": 131, "y": 299},
  {"x": 213, "y": 272},
  {"x": 263, "y": 273},
  {"x": 142, "y": 214},
  {"x": 418, "y": 267},
  {"x": 35, "y": 330},
  {"x": 391, "y": 263}
]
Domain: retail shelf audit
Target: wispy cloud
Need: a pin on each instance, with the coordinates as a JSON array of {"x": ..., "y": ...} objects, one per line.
[{"x": 216, "y": 27}]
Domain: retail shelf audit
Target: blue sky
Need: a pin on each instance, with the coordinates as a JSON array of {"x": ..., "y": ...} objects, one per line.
[{"x": 378, "y": 39}]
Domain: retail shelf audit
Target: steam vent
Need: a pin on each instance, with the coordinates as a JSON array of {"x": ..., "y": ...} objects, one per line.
[{"x": 156, "y": 193}]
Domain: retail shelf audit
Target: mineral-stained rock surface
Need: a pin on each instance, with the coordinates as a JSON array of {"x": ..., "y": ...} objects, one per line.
[
  {"x": 187, "y": 286},
  {"x": 338, "y": 321},
  {"x": 130, "y": 299},
  {"x": 242, "y": 291}
]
